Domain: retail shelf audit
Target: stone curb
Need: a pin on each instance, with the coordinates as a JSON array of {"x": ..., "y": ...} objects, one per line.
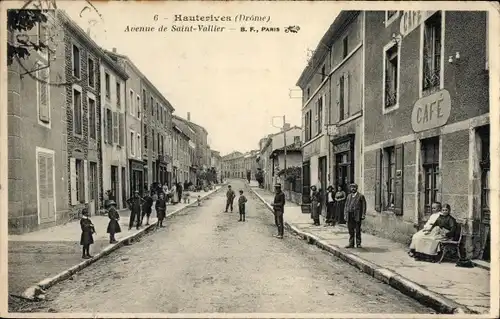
[
  {"x": 31, "y": 292},
  {"x": 426, "y": 297}
]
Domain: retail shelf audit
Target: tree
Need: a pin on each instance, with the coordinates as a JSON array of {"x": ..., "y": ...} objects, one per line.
[{"x": 22, "y": 21}]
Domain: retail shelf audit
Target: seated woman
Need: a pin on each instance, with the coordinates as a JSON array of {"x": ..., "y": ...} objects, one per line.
[{"x": 441, "y": 225}]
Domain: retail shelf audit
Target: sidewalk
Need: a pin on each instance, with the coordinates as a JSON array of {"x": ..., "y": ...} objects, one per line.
[
  {"x": 389, "y": 261},
  {"x": 45, "y": 253}
]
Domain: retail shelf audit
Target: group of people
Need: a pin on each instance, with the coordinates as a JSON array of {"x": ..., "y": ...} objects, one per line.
[
  {"x": 341, "y": 208},
  {"x": 140, "y": 208},
  {"x": 242, "y": 200}
]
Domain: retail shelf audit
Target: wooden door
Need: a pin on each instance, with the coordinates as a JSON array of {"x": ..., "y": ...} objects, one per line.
[
  {"x": 46, "y": 187},
  {"x": 93, "y": 198}
]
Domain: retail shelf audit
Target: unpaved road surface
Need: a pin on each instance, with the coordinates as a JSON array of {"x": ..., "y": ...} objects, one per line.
[{"x": 207, "y": 261}]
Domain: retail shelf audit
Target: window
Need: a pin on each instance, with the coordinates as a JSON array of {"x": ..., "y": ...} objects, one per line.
[
  {"x": 391, "y": 70},
  {"x": 343, "y": 96},
  {"x": 389, "y": 173},
  {"x": 308, "y": 93},
  {"x": 319, "y": 115},
  {"x": 153, "y": 140},
  {"x": 91, "y": 72},
  {"x": 152, "y": 106},
  {"x": 430, "y": 165},
  {"x": 139, "y": 151},
  {"x": 92, "y": 119},
  {"x": 109, "y": 120},
  {"x": 115, "y": 128},
  {"x": 162, "y": 146},
  {"x": 144, "y": 100},
  {"x": 118, "y": 95},
  {"x": 307, "y": 125},
  {"x": 131, "y": 103},
  {"x": 431, "y": 78},
  {"x": 345, "y": 48},
  {"x": 484, "y": 134},
  {"x": 122, "y": 129},
  {"x": 157, "y": 112},
  {"x": 132, "y": 144},
  {"x": 80, "y": 181},
  {"x": 390, "y": 17},
  {"x": 107, "y": 85},
  {"x": 42, "y": 87},
  {"x": 138, "y": 106},
  {"x": 158, "y": 141},
  {"x": 76, "y": 61},
  {"x": 323, "y": 73},
  {"x": 77, "y": 112},
  {"x": 145, "y": 133},
  {"x": 42, "y": 36}
]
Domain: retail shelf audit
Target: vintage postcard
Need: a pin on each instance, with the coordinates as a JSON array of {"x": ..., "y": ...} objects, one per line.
[{"x": 246, "y": 159}]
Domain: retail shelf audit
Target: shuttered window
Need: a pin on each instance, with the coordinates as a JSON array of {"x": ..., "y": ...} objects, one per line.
[
  {"x": 43, "y": 93},
  {"x": 122, "y": 129},
  {"x": 77, "y": 112},
  {"x": 115, "y": 128},
  {"x": 109, "y": 120},
  {"x": 389, "y": 168},
  {"x": 46, "y": 192},
  {"x": 92, "y": 119}
]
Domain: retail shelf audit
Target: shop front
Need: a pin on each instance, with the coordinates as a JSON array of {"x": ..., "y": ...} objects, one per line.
[
  {"x": 136, "y": 169},
  {"x": 343, "y": 161},
  {"x": 162, "y": 169}
]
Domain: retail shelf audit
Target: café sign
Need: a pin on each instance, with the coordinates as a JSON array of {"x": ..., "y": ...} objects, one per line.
[
  {"x": 410, "y": 20},
  {"x": 431, "y": 111}
]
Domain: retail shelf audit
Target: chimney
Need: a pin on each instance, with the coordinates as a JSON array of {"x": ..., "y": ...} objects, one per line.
[
  {"x": 114, "y": 50},
  {"x": 189, "y": 116}
]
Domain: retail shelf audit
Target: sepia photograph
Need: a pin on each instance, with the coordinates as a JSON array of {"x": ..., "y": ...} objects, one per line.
[{"x": 249, "y": 159}]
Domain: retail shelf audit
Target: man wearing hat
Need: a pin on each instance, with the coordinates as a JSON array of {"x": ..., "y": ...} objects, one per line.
[
  {"x": 354, "y": 213},
  {"x": 279, "y": 208},
  {"x": 135, "y": 204}
]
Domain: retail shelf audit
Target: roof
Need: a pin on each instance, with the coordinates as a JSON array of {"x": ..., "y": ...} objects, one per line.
[
  {"x": 78, "y": 32},
  {"x": 325, "y": 44},
  {"x": 190, "y": 123},
  {"x": 184, "y": 128},
  {"x": 143, "y": 77},
  {"x": 289, "y": 148}
]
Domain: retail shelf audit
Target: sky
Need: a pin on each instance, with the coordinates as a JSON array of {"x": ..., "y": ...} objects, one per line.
[{"x": 232, "y": 83}]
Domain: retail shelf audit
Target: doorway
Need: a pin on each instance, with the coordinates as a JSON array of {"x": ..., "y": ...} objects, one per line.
[
  {"x": 485, "y": 229},
  {"x": 114, "y": 183},
  {"x": 322, "y": 173},
  {"x": 93, "y": 200},
  {"x": 124, "y": 188},
  {"x": 306, "y": 182},
  {"x": 343, "y": 171}
]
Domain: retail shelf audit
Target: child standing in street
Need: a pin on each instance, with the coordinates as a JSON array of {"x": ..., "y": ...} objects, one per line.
[
  {"x": 161, "y": 210},
  {"x": 86, "y": 239},
  {"x": 241, "y": 205},
  {"x": 113, "y": 225}
]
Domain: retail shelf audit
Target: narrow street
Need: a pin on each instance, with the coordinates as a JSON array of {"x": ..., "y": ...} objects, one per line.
[{"x": 207, "y": 261}]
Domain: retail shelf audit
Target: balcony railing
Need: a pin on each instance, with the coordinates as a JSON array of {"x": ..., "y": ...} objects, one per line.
[
  {"x": 391, "y": 97},
  {"x": 431, "y": 79}
]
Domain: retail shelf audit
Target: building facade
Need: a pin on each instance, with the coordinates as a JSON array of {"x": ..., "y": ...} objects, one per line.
[
  {"x": 136, "y": 172},
  {"x": 216, "y": 163},
  {"x": 181, "y": 158},
  {"x": 114, "y": 144},
  {"x": 157, "y": 117},
  {"x": 332, "y": 98},
  {"x": 231, "y": 164},
  {"x": 84, "y": 118},
  {"x": 427, "y": 140},
  {"x": 184, "y": 126},
  {"x": 37, "y": 156}
]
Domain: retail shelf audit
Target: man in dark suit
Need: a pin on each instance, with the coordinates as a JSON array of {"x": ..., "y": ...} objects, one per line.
[
  {"x": 354, "y": 213},
  {"x": 279, "y": 207}
]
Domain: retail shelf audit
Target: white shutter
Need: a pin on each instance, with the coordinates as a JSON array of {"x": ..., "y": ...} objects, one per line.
[
  {"x": 105, "y": 121},
  {"x": 115, "y": 128},
  {"x": 337, "y": 98},
  {"x": 346, "y": 95},
  {"x": 85, "y": 181},
  {"x": 72, "y": 170},
  {"x": 42, "y": 185},
  {"x": 122, "y": 129},
  {"x": 43, "y": 93},
  {"x": 50, "y": 185}
]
